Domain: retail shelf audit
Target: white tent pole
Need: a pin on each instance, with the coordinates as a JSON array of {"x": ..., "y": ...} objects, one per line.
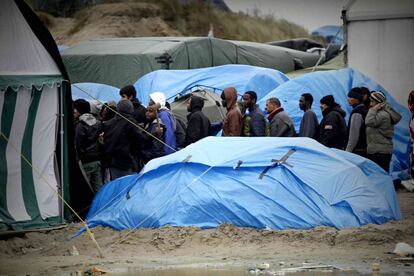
[{"x": 62, "y": 207}]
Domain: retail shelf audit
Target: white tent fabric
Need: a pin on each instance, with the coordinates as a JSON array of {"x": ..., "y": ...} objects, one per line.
[
  {"x": 30, "y": 85},
  {"x": 44, "y": 136},
  {"x": 380, "y": 43},
  {"x": 20, "y": 50}
]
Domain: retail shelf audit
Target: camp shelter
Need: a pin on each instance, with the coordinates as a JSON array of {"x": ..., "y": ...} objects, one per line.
[
  {"x": 335, "y": 63},
  {"x": 260, "y": 182},
  {"x": 213, "y": 108},
  {"x": 380, "y": 39},
  {"x": 34, "y": 119},
  {"x": 122, "y": 61},
  {"x": 300, "y": 44},
  {"x": 338, "y": 83},
  {"x": 242, "y": 77}
]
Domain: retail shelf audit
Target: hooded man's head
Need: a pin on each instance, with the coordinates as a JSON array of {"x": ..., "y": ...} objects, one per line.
[
  {"x": 229, "y": 97},
  {"x": 195, "y": 103},
  {"x": 157, "y": 98}
]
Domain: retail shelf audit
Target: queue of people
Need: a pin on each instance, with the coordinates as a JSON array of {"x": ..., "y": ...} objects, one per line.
[{"x": 122, "y": 137}]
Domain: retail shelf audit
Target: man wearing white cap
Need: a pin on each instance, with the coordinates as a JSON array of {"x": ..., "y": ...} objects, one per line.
[{"x": 158, "y": 98}]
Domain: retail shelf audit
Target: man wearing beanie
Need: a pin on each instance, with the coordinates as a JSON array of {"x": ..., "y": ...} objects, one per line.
[
  {"x": 380, "y": 122},
  {"x": 356, "y": 125},
  {"x": 118, "y": 136},
  {"x": 332, "y": 128},
  {"x": 87, "y": 130}
]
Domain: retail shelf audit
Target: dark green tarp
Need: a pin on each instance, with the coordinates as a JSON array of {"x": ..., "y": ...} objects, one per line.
[{"x": 122, "y": 61}]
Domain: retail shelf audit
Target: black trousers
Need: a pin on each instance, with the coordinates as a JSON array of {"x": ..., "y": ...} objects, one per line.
[{"x": 383, "y": 160}]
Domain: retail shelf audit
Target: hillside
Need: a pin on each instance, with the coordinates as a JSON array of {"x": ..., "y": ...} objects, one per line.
[{"x": 165, "y": 18}]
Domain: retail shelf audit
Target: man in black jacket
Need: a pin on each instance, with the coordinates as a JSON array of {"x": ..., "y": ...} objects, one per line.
[
  {"x": 332, "y": 129},
  {"x": 129, "y": 93},
  {"x": 198, "y": 125},
  {"x": 118, "y": 135},
  {"x": 87, "y": 130}
]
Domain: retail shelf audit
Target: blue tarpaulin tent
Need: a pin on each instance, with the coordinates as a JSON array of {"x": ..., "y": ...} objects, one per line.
[
  {"x": 338, "y": 83},
  {"x": 238, "y": 180},
  {"x": 99, "y": 91},
  {"x": 242, "y": 77}
]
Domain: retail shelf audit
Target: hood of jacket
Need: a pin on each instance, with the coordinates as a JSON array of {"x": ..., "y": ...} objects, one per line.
[
  {"x": 197, "y": 103},
  {"x": 230, "y": 95},
  {"x": 88, "y": 118}
]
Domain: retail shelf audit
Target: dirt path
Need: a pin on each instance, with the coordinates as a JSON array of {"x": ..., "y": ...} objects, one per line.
[{"x": 49, "y": 252}]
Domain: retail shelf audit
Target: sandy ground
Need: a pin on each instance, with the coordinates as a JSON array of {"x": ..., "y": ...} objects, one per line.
[{"x": 52, "y": 252}]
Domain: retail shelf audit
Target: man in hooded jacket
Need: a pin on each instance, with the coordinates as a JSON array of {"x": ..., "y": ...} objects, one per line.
[
  {"x": 232, "y": 125},
  {"x": 198, "y": 125},
  {"x": 332, "y": 128},
  {"x": 87, "y": 130}
]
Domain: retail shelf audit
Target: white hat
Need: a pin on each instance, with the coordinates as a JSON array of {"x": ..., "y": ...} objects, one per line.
[{"x": 158, "y": 98}]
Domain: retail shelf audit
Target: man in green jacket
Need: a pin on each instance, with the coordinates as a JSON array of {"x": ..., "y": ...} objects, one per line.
[{"x": 380, "y": 122}]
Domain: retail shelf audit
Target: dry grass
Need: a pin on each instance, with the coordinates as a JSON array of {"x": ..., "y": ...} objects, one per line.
[
  {"x": 136, "y": 18},
  {"x": 194, "y": 19}
]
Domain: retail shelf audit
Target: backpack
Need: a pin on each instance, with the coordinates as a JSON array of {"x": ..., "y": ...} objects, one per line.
[{"x": 180, "y": 131}]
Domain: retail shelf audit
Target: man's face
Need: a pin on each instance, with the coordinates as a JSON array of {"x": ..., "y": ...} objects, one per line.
[
  {"x": 270, "y": 107},
  {"x": 76, "y": 114},
  {"x": 302, "y": 103},
  {"x": 150, "y": 115},
  {"x": 223, "y": 100},
  {"x": 247, "y": 100},
  {"x": 352, "y": 101},
  {"x": 125, "y": 97},
  {"x": 189, "y": 105},
  {"x": 151, "y": 102}
]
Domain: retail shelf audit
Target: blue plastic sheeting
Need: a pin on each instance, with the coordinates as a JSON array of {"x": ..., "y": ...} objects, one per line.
[
  {"x": 91, "y": 91},
  {"x": 242, "y": 77},
  {"x": 338, "y": 83},
  {"x": 333, "y": 34},
  {"x": 323, "y": 187}
]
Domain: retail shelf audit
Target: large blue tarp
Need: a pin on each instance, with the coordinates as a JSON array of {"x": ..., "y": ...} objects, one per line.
[
  {"x": 338, "y": 83},
  {"x": 242, "y": 77},
  {"x": 217, "y": 180},
  {"x": 95, "y": 91}
]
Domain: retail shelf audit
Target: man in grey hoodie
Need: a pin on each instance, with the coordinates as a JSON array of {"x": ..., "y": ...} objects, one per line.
[
  {"x": 87, "y": 130},
  {"x": 281, "y": 124}
]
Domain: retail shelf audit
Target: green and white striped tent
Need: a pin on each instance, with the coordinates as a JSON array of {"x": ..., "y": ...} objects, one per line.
[{"x": 33, "y": 97}]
